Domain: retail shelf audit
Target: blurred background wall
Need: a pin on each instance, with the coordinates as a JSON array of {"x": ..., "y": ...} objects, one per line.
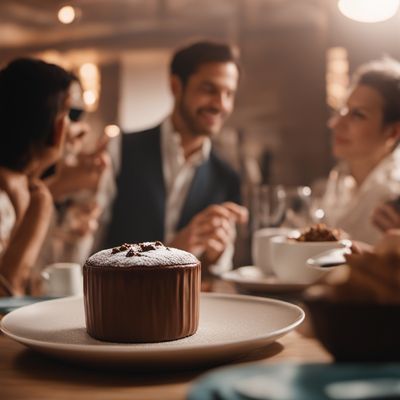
[{"x": 278, "y": 131}]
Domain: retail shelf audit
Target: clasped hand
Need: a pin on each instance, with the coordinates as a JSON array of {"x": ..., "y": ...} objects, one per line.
[{"x": 210, "y": 231}]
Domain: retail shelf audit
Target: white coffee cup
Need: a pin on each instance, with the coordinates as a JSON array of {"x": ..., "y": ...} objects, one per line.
[
  {"x": 289, "y": 258},
  {"x": 62, "y": 279},
  {"x": 260, "y": 246}
]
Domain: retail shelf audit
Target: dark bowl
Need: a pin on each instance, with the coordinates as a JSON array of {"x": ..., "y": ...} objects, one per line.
[{"x": 357, "y": 331}]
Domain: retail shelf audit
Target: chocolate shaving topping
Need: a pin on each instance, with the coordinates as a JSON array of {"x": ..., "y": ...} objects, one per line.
[
  {"x": 133, "y": 253},
  {"x": 319, "y": 233},
  {"x": 137, "y": 249},
  {"x": 123, "y": 247},
  {"x": 147, "y": 246}
]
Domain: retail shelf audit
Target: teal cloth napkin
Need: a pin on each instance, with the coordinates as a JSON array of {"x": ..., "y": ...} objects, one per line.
[
  {"x": 8, "y": 304},
  {"x": 300, "y": 382}
]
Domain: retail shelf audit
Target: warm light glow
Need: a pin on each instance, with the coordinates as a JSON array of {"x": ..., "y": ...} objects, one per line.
[
  {"x": 89, "y": 97},
  {"x": 66, "y": 15},
  {"x": 369, "y": 10},
  {"x": 319, "y": 213},
  {"x": 306, "y": 191},
  {"x": 89, "y": 75},
  {"x": 112, "y": 131},
  {"x": 337, "y": 76},
  {"x": 88, "y": 70}
]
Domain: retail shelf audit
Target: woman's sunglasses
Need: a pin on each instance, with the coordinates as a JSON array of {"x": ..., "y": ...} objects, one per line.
[{"x": 75, "y": 114}]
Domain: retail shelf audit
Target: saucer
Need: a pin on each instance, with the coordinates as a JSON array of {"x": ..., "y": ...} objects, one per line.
[
  {"x": 251, "y": 278},
  {"x": 230, "y": 326}
]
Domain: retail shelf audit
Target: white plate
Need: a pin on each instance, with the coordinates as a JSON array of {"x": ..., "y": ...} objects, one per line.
[
  {"x": 252, "y": 279},
  {"x": 230, "y": 326}
]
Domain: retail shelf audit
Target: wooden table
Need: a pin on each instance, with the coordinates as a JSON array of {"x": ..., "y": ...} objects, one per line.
[{"x": 25, "y": 374}]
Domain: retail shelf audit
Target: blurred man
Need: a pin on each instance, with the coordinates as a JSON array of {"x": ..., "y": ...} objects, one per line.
[{"x": 172, "y": 186}]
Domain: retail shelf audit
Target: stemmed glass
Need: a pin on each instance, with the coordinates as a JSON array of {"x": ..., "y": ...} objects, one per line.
[
  {"x": 299, "y": 207},
  {"x": 268, "y": 206}
]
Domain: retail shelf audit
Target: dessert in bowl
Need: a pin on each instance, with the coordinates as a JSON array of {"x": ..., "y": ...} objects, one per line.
[{"x": 289, "y": 255}]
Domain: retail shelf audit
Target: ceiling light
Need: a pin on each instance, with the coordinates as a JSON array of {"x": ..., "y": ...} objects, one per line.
[
  {"x": 66, "y": 14},
  {"x": 369, "y": 10}
]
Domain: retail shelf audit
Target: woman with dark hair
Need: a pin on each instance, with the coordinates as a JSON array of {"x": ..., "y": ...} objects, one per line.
[
  {"x": 34, "y": 106},
  {"x": 82, "y": 186},
  {"x": 365, "y": 137}
]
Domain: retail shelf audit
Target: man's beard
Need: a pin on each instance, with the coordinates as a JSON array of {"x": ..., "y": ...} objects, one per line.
[{"x": 192, "y": 124}]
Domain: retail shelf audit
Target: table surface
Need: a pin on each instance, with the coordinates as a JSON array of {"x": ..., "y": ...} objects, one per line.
[{"x": 26, "y": 374}]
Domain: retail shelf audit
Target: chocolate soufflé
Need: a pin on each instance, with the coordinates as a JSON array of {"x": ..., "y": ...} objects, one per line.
[{"x": 138, "y": 293}]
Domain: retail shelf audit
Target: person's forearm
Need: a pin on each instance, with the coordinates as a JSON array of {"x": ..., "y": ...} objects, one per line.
[{"x": 24, "y": 247}]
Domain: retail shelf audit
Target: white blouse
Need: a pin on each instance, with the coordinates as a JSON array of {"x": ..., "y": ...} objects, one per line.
[{"x": 349, "y": 207}]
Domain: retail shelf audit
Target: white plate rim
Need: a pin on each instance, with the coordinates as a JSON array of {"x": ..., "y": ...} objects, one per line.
[{"x": 112, "y": 347}]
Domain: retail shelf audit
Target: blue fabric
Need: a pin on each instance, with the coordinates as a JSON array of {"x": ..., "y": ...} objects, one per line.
[
  {"x": 8, "y": 304},
  {"x": 300, "y": 381}
]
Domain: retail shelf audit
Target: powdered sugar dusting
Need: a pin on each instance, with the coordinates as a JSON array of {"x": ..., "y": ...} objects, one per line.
[{"x": 160, "y": 255}]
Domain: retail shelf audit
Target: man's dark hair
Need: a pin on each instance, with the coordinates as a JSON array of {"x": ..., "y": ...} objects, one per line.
[
  {"x": 32, "y": 93},
  {"x": 187, "y": 60},
  {"x": 384, "y": 76}
]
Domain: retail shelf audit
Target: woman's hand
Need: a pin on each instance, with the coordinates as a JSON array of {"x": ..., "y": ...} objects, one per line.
[
  {"x": 386, "y": 216},
  {"x": 373, "y": 276},
  {"x": 84, "y": 174}
]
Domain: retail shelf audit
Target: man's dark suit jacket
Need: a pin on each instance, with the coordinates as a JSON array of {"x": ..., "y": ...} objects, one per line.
[{"x": 138, "y": 211}]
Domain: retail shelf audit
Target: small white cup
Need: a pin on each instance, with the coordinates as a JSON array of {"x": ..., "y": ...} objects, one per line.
[
  {"x": 62, "y": 279},
  {"x": 260, "y": 246},
  {"x": 289, "y": 258}
]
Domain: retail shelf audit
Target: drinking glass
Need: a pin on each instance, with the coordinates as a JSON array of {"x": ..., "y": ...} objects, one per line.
[
  {"x": 299, "y": 207},
  {"x": 268, "y": 206}
]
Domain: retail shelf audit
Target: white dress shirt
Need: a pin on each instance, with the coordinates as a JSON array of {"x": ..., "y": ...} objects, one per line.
[
  {"x": 349, "y": 207},
  {"x": 178, "y": 175}
]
